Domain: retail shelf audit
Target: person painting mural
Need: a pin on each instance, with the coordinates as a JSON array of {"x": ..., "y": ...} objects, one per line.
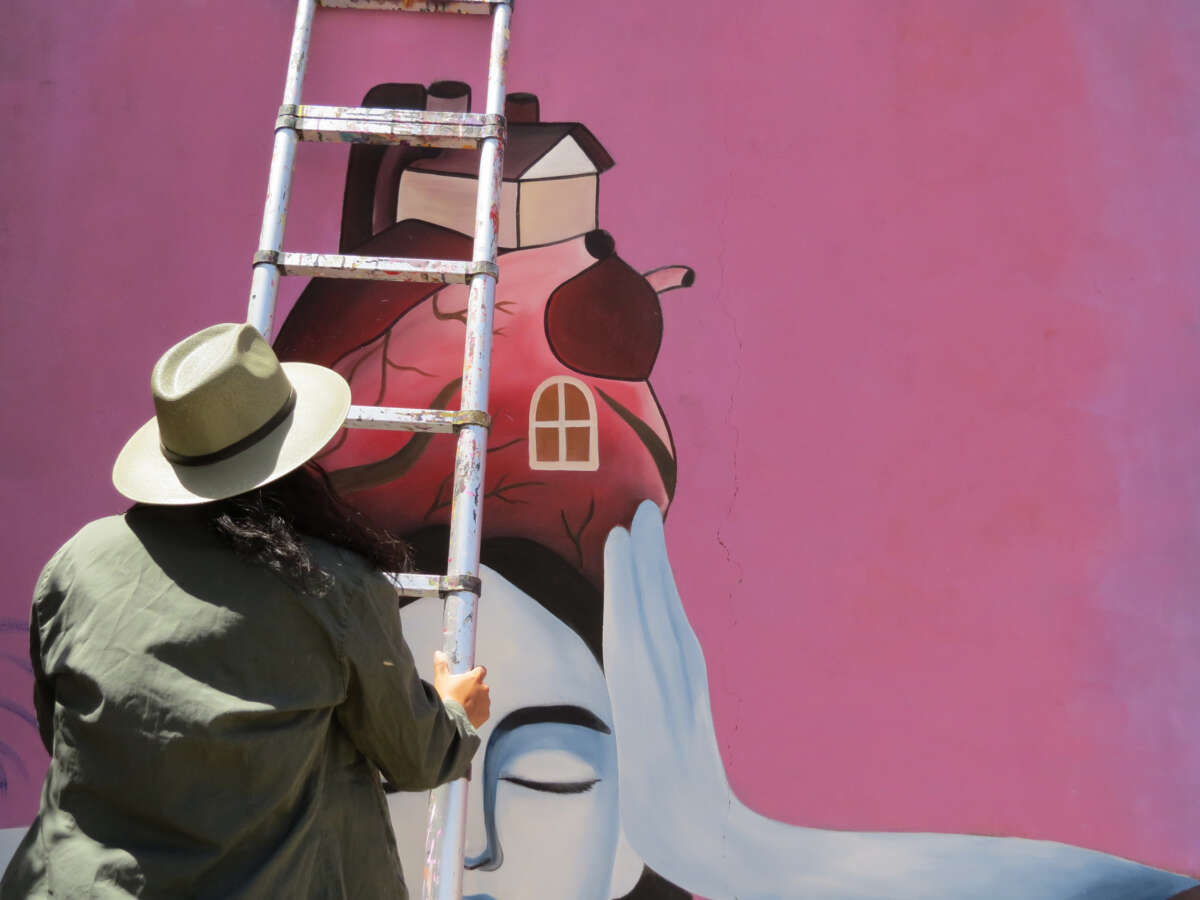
[{"x": 220, "y": 672}]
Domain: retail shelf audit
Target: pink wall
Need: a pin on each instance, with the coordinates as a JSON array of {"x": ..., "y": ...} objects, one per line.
[{"x": 933, "y": 394}]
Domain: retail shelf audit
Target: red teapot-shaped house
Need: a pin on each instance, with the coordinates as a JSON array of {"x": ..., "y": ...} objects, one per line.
[{"x": 578, "y": 438}]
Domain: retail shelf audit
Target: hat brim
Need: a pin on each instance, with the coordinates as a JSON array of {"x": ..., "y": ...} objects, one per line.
[{"x": 143, "y": 474}]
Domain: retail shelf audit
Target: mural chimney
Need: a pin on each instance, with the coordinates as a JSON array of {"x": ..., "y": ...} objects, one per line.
[
  {"x": 521, "y": 107},
  {"x": 449, "y": 96}
]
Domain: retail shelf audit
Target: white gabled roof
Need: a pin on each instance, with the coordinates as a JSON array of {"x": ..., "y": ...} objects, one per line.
[{"x": 565, "y": 158}]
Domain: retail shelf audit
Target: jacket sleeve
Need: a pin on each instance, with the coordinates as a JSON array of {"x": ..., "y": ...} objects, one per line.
[
  {"x": 47, "y": 597},
  {"x": 397, "y": 720},
  {"x": 43, "y": 689}
]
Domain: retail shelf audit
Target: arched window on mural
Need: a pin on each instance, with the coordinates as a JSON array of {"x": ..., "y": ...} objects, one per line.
[{"x": 562, "y": 426}]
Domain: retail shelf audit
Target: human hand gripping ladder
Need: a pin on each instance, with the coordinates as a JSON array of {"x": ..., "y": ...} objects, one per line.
[{"x": 442, "y": 878}]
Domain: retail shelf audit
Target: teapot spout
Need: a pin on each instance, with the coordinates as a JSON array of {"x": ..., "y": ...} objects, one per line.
[{"x": 669, "y": 278}]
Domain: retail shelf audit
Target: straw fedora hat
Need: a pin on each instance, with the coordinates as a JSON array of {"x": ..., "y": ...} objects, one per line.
[{"x": 229, "y": 417}]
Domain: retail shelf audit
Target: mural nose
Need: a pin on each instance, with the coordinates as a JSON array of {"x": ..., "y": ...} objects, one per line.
[
  {"x": 480, "y": 852},
  {"x": 521, "y": 107},
  {"x": 487, "y": 861}
]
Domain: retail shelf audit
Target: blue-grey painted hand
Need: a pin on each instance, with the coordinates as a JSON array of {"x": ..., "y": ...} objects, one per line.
[{"x": 681, "y": 816}]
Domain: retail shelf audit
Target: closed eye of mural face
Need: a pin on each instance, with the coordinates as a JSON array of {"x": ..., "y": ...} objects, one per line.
[
  {"x": 601, "y": 775},
  {"x": 544, "y": 799}
]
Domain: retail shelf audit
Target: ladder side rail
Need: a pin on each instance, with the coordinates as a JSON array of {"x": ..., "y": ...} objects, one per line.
[
  {"x": 264, "y": 284},
  {"x": 446, "y": 836}
]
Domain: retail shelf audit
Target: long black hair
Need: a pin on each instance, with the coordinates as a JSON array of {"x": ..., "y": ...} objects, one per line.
[{"x": 266, "y": 526}]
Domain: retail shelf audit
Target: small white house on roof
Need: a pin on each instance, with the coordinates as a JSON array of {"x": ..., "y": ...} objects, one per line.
[{"x": 550, "y": 190}]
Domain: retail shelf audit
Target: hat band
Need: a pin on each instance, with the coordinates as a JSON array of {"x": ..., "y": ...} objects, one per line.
[{"x": 237, "y": 447}]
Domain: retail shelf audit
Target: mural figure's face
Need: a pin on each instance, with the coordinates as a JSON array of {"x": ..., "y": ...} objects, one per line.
[{"x": 543, "y": 819}]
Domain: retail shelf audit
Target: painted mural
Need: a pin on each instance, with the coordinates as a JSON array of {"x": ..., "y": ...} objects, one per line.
[
  {"x": 844, "y": 471},
  {"x": 601, "y": 775}
]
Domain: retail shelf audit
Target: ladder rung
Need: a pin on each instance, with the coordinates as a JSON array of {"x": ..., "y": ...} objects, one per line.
[
  {"x": 482, "y": 7},
  {"x": 366, "y": 125},
  {"x": 430, "y": 421},
  {"x": 375, "y": 268},
  {"x": 416, "y": 584}
]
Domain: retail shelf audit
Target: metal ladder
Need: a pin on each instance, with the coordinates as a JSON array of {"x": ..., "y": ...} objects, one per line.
[{"x": 442, "y": 878}]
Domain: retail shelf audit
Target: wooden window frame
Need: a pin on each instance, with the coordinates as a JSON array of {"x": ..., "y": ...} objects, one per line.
[{"x": 561, "y": 424}]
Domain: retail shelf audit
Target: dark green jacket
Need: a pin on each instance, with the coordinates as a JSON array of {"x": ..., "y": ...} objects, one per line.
[{"x": 213, "y": 732}]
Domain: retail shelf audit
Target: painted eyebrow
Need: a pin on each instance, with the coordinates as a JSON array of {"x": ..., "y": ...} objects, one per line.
[{"x": 562, "y": 715}]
